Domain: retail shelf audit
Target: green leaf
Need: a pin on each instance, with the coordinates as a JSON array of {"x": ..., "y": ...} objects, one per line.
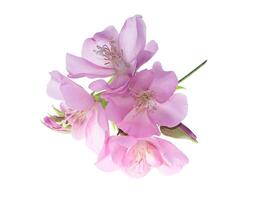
[
  {"x": 104, "y": 103},
  {"x": 178, "y": 87},
  {"x": 176, "y": 132},
  {"x": 58, "y": 112},
  {"x": 98, "y": 98}
]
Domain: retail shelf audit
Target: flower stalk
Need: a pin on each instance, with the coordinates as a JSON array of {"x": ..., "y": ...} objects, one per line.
[{"x": 193, "y": 71}]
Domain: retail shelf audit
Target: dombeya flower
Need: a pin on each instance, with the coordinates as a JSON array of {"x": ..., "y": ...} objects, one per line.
[
  {"x": 139, "y": 104},
  {"x": 109, "y": 53},
  {"x": 149, "y": 102},
  {"x": 81, "y": 111},
  {"x": 136, "y": 156}
]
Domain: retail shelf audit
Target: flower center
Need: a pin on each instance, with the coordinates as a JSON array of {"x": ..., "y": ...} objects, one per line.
[
  {"x": 112, "y": 55},
  {"x": 74, "y": 116},
  {"x": 142, "y": 155},
  {"x": 145, "y": 101},
  {"x": 141, "y": 150}
]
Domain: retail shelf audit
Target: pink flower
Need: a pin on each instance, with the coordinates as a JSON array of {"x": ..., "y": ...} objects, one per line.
[
  {"x": 86, "y": 117},
  {"x": 109, "y": 53},
  {"x": 149, "y": 101},
  {"x": 136, "y": 156}
]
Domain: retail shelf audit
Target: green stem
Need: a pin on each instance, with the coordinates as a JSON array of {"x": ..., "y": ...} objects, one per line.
[{"x": 194, "y": 70}]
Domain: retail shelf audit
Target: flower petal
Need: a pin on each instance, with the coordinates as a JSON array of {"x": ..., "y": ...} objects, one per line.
[
  {"x": 74, "y": 96},
  {"x": 106, "y": 164},
  {"x": 79, "y": 67},
  {"x": 141, "y": 81},
  {"x": 153, "y": 156},
  {"x": 137, "y": 169},
  {"x": 164, "y": 83},
  {"x": 105, "y": 161},
  {"x": 119, "y": 146},
  {"x": 96, "y": 130},
  {"x": 171, "y": 112},
  {"x": 138, "y": 124},
  {"x": 108, "y": 34},
  {"x": 101, "y": 117},
  {"x": 79, "y": 129},
  {"x": 150, "y": 49},
  {"x": 132, "y": 37},
  {"x": 91, "y": 46},
  {"x": 118, "y": 106},
  {"x": 98, "y": 85},
  {"x": 118, "y": 85},
  {"x": 111, "y": 156},
  {"x": 53, "y": 87},
  {"x": 125, "y": 141},
  {"x": 173, "y": 158},
  {"x": 50, "y": 123}
]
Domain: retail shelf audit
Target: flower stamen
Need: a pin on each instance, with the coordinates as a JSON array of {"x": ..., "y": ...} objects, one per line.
[
  {"x": 145, "y": 101},
  {"x": 112, "y": 55}
]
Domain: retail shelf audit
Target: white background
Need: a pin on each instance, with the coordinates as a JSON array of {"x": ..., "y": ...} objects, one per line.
[{"x": 227, "y": 98}]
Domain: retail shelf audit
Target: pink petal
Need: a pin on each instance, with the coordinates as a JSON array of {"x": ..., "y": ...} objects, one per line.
[
  {"x": 50, "y": 123},
  {"x": 118, "y": 85},
  {"x": 163, "y": 84},
  {"x": 171, "y": 112},
  {"x": 132, "y": 37},
  {"x": 138, "y": 124},
  {"x": 118, "y": 106},
  {"x": 123, "y": 141},
  {"x": 107, "y": 164},
  {"x": 79, "y": 129},
  {"x": 101, "y": 117},
  {"x": 105, "y": 161},
  {"x": 74, "y": 96},
  {"x": 94, "y": 129},
  {"x": 89, "y": 50},
  {"x": 148, "y": 52},
  {"x": 108, "y": 34},
  {"x": 98, "y": 85},
  {"x": 119, "y": 82},
  {"x": 140, "y": 158},
  {"x": 53, "y": 87},
  {"x": 117, "y": 155},
  {"x": 137, "y": 170},
  {"x": 173, "y": 158},
  {"x": 79, "y": 67},
  {"x": 131, "y": 163},
  {"x": 111, "y": 156},
  {"x": 96, "y": 134},
  {"x": 153, "y": 156},
  {"x": 141, "y": 81}
]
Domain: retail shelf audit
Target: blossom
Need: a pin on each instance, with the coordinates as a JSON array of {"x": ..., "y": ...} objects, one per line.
[
  {"x": 136, "y": 156},
  {"x": 109, "y": 53},
  {"x": 139, "y": 104},
  {"x": 150, "y": 101},
  {"x": 80, "y": 110}
]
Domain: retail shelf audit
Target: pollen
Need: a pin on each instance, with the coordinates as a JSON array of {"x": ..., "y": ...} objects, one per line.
[
  {"x": 145, "y": 101},
  {"x": 112, "y": 55}
]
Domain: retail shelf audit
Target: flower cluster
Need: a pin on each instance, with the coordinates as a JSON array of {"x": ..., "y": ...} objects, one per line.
[{"x": 140, "y": 104}]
